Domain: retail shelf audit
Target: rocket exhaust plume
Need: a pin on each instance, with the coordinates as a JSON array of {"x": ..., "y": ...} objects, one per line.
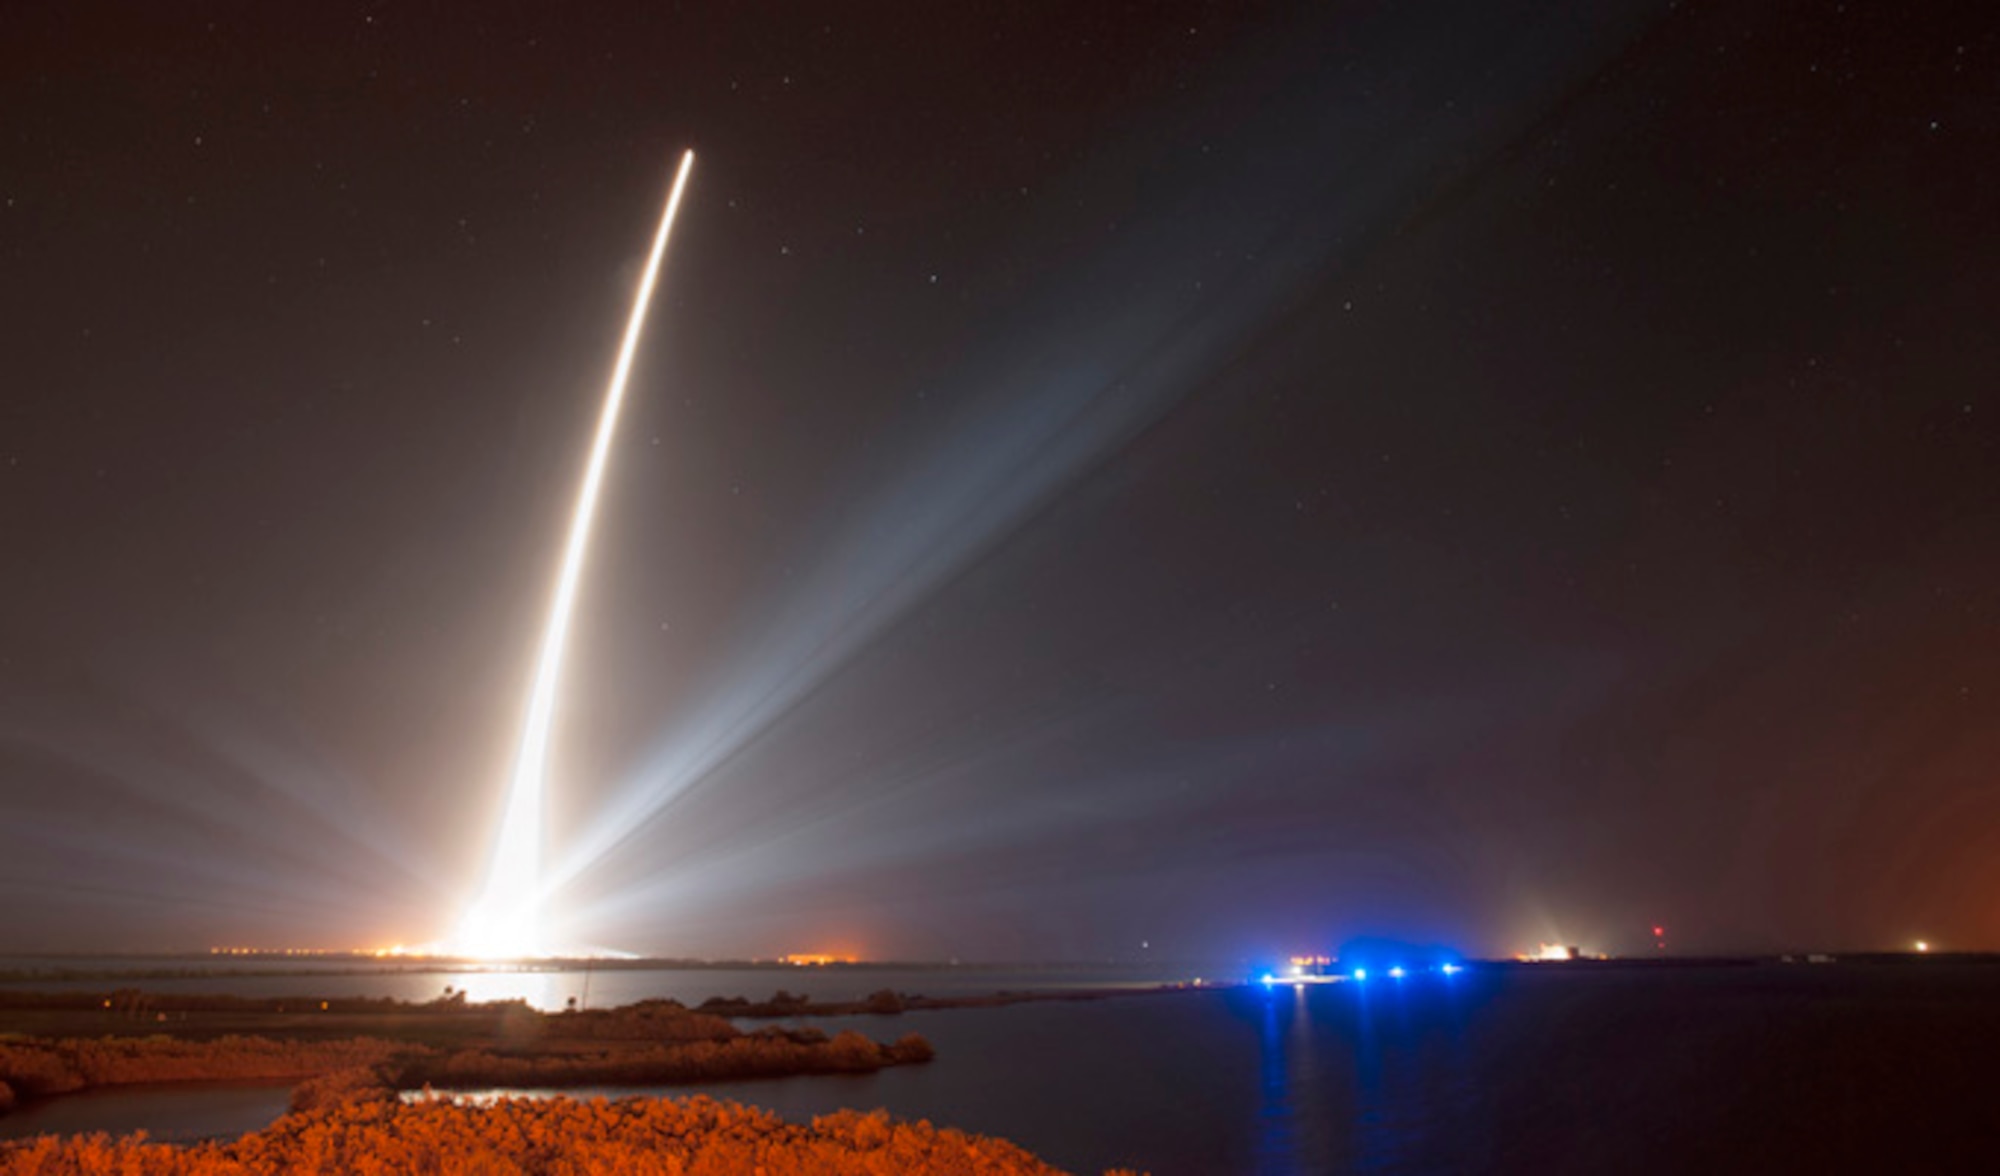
[{"x": 505, "y": 922}]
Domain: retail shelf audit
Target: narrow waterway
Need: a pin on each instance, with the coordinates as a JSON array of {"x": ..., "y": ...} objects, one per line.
[{"x": 180, "y": 1113}]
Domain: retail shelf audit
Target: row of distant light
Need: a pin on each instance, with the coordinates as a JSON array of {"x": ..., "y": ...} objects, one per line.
[{"x": 1395, "y": 972}]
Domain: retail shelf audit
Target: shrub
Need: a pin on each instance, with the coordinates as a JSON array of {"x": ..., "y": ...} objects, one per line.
[
  {"x": 352, "y": 1085},
  {"x": 38, "y": 1069},
  {"x": 558, "y": 1137},
  {"x": 35, "y": 1070},
  {"x": 912, "y": 1048}
]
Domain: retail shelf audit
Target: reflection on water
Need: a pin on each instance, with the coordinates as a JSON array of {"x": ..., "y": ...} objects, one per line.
[
  {"x": 540, "y": 989},
  {"x": 1359, "y": 1076},
  {"x": 1666, "y": 1070},
  {"x": 1274, "y": 1081},
  {"x": 1276, "y": 1117}
]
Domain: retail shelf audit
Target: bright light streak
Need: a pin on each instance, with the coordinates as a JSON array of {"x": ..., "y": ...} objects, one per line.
[{"x": 506, "y": 921}]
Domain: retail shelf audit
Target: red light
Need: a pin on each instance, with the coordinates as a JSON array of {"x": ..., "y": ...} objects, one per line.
[{"x": 1658, "y": 932}]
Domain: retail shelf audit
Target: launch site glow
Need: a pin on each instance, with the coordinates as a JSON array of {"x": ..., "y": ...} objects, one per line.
[{"x": 506, "y": 922}]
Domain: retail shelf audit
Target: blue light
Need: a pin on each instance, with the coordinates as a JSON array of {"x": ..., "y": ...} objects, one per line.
[
  {"x": 1397, "y": 972},
  {"x": 1361, "y": 973},
  {"x": 1269, "y": 980},
  {"x": 1450, "y": 969}
]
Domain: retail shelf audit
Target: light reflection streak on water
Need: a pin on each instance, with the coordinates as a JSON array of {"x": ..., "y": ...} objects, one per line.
[
  {"x": 1411, "y": 1072},
  {"x": 1321, "y": 1113},
  {"x": 1313, "y": 1148},
  {"x": 538, "y": 988},
  {"x": 1371, "y": 1144},
  {"x": 1276, "y": 1116},
  {"x": 1294, "y": 1132}
]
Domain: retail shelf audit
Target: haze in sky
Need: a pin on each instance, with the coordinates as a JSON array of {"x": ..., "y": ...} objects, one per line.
[{"x": 1209, "y": 481}]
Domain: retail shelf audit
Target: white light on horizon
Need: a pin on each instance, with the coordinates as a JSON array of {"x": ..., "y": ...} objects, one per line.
[{"x": 507, "y": 921}]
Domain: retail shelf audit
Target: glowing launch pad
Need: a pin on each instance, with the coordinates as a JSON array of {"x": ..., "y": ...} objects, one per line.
[{"x": 507, "y": 921}]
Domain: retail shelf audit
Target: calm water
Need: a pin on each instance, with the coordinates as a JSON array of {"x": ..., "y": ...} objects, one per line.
[
  {"x": 599, "y": 988},
  {"x": 171, "y": 1114},
  {"x": 1754, "y": 1069}
]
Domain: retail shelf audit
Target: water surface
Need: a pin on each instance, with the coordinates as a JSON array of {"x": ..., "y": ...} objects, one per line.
[
  {"x": 180, "y": 1113},
  {"x": 1652, "y": 1070},
  {"x": 552, "y": 988}
]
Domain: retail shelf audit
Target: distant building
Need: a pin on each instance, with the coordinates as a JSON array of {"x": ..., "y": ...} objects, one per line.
[
  {"x": 1311, "y": 965},
  {"x": 1552, "y": 953}
]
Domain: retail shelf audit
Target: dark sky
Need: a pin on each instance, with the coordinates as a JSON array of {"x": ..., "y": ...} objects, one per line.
[{"x": 1177, "y": 480}]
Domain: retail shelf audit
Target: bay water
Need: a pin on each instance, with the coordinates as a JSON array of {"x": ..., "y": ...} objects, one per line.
[{"x": 1753, "y": 1068}]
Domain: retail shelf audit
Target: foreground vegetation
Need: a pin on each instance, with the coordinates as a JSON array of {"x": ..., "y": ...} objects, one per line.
[
  {"x": 38, "y": 1069},
  {"x": 351, "y": 1060},
  {"x": 652, "y": 1043},
  {"x": 558, "y": 1137}
]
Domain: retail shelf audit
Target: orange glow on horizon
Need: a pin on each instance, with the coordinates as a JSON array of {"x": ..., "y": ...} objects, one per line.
[
  {"x": 1550, "y": 953},
  {"x": 818, "y": 959}
]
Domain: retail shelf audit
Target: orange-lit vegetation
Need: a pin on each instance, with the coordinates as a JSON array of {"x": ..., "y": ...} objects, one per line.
[
  {"x": 36, "y": 1069},
  {"x": 559, "y": 1137},
  {"x": 445, "y": 1045},
  {"x": 347, "y": 1115},
  {"x": 650, "y": 1020},
  {"x": 759, "y": 1055}
]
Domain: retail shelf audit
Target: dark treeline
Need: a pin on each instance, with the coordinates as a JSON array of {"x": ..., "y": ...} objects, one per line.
[{"x": 889, "y": 1002}]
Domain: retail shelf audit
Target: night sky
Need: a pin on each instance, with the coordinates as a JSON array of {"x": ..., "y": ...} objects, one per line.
[{"x": 1172, "y": 481}]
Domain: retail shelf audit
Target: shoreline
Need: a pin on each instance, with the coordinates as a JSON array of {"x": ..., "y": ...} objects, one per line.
[
  {"x": 21, "y": 969},
  {"x": 357, "y": 1087},
  {"x": 338, "y": 1052},
  {"x": 334, "y": 1050}
]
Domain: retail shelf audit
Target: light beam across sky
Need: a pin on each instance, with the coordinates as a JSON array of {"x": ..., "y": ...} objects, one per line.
[
  {"x": 506, "y": 921},
  {"x": 1047, "y": 403},
  {"x": 1235, "y": 480}
]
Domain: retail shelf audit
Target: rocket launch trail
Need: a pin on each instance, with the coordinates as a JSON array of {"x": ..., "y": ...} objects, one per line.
[{"x": 505, "y": 922}]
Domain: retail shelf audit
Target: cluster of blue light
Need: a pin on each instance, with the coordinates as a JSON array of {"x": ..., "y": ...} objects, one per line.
[{"x": 1359, "y": 974}]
